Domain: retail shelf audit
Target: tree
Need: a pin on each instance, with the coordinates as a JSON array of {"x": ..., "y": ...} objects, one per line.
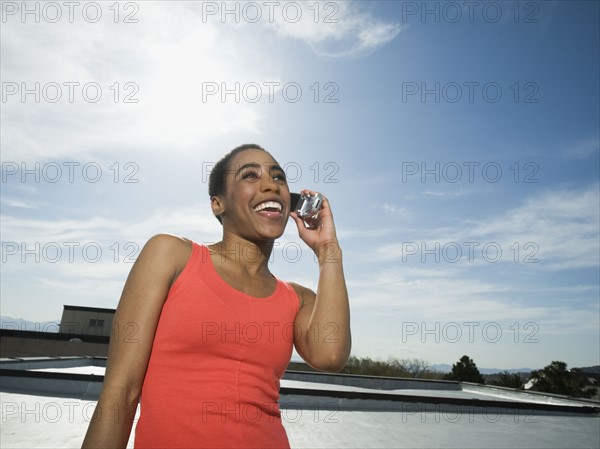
[
  {"x": 506, "y": 379},
  {"x": 556, "y": 379},
  {"x": 465, "y": 370},
  {"x": 415, "y": 368},
  {"x": 393, "y": 367},
  {"x": 353, "y": 365}
]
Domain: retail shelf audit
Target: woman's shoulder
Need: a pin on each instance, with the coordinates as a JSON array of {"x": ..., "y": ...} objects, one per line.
[
  {"x": 169, "y": 242},
  {"x": 305, "y": 295},
  {"x": 170, "y": 239},
  {"x": 169, "y": 248}
]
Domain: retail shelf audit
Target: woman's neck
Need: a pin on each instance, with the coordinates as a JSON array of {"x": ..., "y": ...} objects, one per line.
[{"x": 251, "y": 257}]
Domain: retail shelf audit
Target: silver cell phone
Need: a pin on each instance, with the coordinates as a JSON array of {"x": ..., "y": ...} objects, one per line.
[{"x": 307, "y": 207}]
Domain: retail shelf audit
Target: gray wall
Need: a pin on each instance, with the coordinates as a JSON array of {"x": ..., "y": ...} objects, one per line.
[
  {"x": 38, "y": 346},
  {"x": 78, "y": 322}
]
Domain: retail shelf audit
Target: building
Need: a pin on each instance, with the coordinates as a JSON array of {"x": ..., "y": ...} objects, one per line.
[
  {"x": 83, "y": 331},
  {"x": 92, "y": 321}
]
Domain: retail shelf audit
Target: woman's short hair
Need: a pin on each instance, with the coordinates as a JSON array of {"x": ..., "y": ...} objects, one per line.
[{"x": 216, "y": 180}]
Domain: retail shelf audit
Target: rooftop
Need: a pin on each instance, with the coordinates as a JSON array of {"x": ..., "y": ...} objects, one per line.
[{"x": 48, "y": 402}]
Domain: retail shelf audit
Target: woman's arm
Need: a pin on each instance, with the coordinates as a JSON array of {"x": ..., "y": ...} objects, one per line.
[
  {"x": 134, "y": 325},
  {"x": 323, "y": 337}
]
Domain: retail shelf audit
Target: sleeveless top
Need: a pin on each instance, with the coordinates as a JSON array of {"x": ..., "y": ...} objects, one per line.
[{"x": 215, "y": 365}]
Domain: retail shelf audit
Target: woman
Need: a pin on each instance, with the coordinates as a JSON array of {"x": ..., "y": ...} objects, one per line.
[{"x": 202, "y": 334}]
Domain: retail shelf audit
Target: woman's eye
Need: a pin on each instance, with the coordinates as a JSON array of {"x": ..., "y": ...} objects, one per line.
[
  {"x": 279, "y": 177},
  {"x": 250, "y": 175}
]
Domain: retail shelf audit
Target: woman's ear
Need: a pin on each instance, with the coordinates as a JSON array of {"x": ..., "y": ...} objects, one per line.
[{"x": 217, "y": 206}]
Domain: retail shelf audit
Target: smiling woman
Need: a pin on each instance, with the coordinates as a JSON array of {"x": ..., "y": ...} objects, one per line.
[{"x": 216, "y": 329}]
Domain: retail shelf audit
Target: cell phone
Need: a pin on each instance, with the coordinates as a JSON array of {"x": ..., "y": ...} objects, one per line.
[{"x": 307, "y": 207}]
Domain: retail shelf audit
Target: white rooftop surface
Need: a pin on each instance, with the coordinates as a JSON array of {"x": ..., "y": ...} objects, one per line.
[
  {"x": 465, "y": 393},
  {"x": 32, "y": 421},
  {"x": 97, "y": 370},
  {"x": 37, "y": 421}
]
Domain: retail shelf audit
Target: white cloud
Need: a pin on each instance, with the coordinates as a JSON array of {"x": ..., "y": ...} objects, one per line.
[
  {"x": 158, "y": 67},
  {"x": 83, "y": 261},
  {"x": 558, "y": 228},
  {"x": 392, "y": 209},
  {"x": 338, "y": 29},
  {"x": 12, "y": 202},
  {"x": 166, "y": 62},
  {"x": 563, "y": 223},
  {"x": 582, "y": 149},
  {"x": 191, "y": 219},
  {"x": 447, "y": 193},
  {"x": 450, "y": 295}
]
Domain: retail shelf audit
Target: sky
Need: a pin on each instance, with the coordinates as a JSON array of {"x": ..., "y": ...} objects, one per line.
[{"x": 458, "y": 144}]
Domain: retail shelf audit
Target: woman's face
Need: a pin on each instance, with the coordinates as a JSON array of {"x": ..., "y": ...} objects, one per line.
[{"x": 256, "y": 202}]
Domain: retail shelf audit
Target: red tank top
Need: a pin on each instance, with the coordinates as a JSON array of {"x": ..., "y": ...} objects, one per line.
[{"x": 216, "y": 361}]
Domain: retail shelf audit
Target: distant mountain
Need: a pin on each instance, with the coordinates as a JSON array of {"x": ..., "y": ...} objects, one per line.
[
  {"x": 444, "y": 368},
  {"x": 7, "y": 322},
  {"x": 591, "y": 369}
]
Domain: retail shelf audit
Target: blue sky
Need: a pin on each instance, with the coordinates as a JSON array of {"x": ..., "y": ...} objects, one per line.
[{"x": 460, "y": 153}]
